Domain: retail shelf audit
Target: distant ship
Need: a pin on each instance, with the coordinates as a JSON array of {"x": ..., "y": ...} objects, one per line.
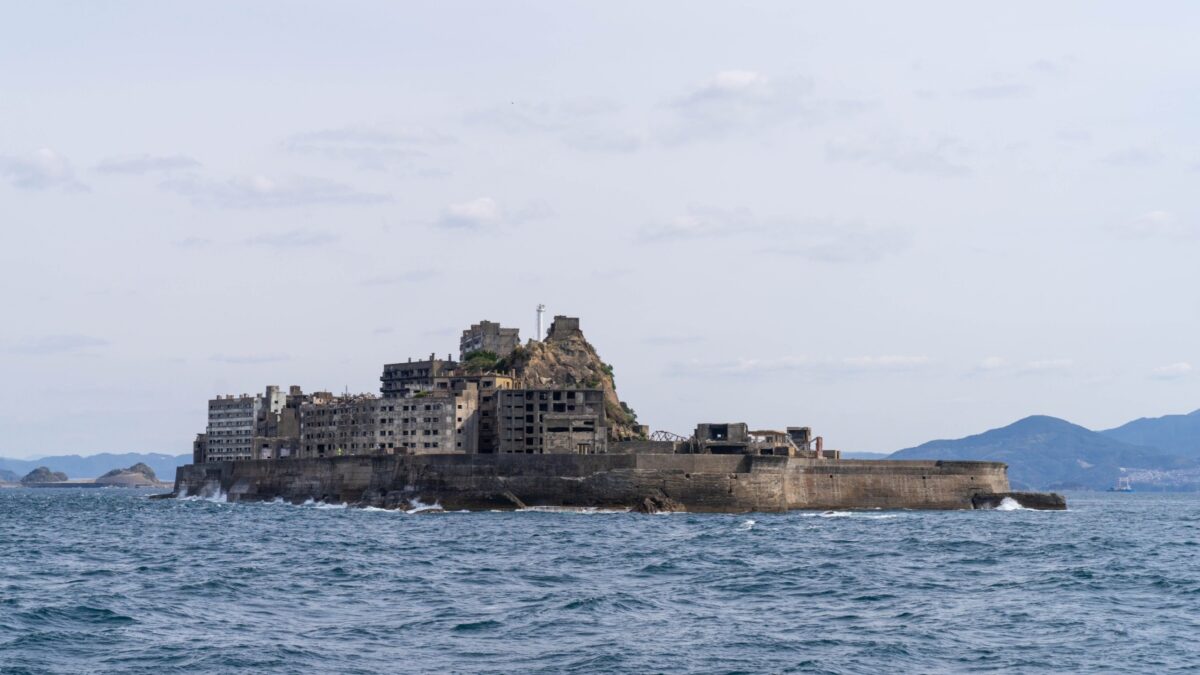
[{"x": 1121, "y": 486}]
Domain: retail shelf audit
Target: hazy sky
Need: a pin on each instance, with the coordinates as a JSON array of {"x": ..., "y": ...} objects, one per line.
[{"x": 890, "y": 221}]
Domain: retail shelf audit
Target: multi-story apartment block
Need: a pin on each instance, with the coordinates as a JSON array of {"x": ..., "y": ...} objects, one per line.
[
  {"x": 339, "y": 425},
  {"x": 231, "y": 424},
  {"x": 277, "y": 429},
  {"x": 537, "y": 421},
  {"x": 405, "y": 379},
  {"x": 438, "y": 422},
  {"x": 487, "y": 385},
  {"x": 490, "y": 337}
]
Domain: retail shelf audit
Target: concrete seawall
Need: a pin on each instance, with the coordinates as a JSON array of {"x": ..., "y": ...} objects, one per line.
[{"x": 698, "y": 483}]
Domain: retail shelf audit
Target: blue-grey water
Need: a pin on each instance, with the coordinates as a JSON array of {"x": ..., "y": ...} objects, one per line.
[{"x": 102, "y": 581}]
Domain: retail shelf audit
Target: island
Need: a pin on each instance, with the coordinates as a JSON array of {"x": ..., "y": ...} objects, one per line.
[{"x": 512, "y": 426}]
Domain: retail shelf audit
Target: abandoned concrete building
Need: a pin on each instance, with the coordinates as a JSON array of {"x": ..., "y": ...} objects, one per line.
[
  {"x": 736, "y": 438},
  {"x": 438, "y": 406},
  {"x": 539, "y": 421},
  {"x": 232, "y": 422},
  {"x": 404, "y": 379},
  {"x": 200, "y": 449},
  {"x": 336, "y": 425},
  {"x": 488, "y": 336}
]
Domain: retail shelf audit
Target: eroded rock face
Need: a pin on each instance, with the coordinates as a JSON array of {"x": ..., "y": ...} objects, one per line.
[
  {"x": 44, "y": 475},
  {"x": 566, "y": 358}
]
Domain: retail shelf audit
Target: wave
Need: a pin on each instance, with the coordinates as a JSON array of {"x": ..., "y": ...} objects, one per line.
[
  {"x": 1010, "y": 504},
  {"x": 585, "y": 510},
  {"x": 211, "y": 492},
  {"x": 417, "y": 506}
]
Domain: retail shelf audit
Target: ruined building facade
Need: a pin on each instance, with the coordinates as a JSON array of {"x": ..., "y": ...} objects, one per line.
[
  {"x": 488, "y": 336},
  {"x": 540, "y": 421},
  {"x": 557, "y": 399}
]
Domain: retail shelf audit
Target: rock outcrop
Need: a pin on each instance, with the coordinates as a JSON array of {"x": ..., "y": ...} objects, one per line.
[
  {"x": 138, "y": 475},
  {"x": 44, "y": 475},
  {"x": 566, "y": 358}
]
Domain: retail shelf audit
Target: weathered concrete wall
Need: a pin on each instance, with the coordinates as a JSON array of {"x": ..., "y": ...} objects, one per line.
[{"x": 720, "y": 483}]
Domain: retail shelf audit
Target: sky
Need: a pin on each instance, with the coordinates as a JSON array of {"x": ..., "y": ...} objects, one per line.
[{"x": 892, "y": 222}]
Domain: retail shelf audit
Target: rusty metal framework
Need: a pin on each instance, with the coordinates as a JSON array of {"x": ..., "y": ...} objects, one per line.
[{"x": 666, "y": 436}]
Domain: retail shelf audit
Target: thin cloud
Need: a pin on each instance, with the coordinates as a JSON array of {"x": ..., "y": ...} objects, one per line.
[
  {"x": 1133, "y": 157},
  {"x": 1157, "y": 225},
  {"x": 739, "y": 100},
  {"x": 144, "y": 164},
  {"x": 587, "y": 124},
  {"x": 58, "y": 344},
  {"x": 845, "y": 366},
  {"x": 42, "y": 169},
  {"x": 401, "y": 279},
  {"x": 248, "y": 359},
  {"x": 996, "y": 92},
  {"x": 702, "y": 223},
  {"x": 845, "y": 243},
  {"x": 1046, "y": 366},
  {"x": 366, "y": 147},
  {"x": 292, "y": 239},
  {"x": 475, "y": 214},
  {"x": 265, "y": 192},
  {"x": 991, "y": 364},
  {"x": 820, "y": 241},
  {"x": 941, "y": 157},
  {"x": 1173, "y": 371},
  {"x": 671, "y": 340}
]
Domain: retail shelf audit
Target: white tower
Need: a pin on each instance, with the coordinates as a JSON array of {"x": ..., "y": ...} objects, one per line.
[{"x": 541, "y": 309}]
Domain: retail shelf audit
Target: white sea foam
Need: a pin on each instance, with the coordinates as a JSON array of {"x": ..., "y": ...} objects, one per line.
[
  {"x": 748, "y": 524},
  {"x": 586, "y": 510},
  {"x": 417, "y": 506},
  {"x": 1010, "y": 504},
  {"x": 323, "y": 505},
  {"x": 209, "y": 493}
]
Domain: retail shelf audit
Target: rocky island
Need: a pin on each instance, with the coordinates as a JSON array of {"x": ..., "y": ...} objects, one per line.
[
  {"x": 137, "y": 476},
  {"x": 511, "y": 426},
  {"x": 42, "y": 476}
]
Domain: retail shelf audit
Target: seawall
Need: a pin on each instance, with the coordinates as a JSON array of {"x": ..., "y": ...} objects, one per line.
[{"x": 698, "y": 483}]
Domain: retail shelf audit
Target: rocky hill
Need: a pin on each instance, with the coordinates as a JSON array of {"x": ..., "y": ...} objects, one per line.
[
  {"x": 138, "y": 475},
  {"x": 1050, "y": 453},
  {"x": 566, "y": 358},
  {"x": 87, "y": 466},
  {"x": 44, "y": 475}
]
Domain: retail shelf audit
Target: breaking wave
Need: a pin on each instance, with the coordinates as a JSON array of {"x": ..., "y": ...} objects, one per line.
[{"x": 1010, "y": 504}]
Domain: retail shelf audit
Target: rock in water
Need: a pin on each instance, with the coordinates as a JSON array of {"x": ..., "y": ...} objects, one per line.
[
  {"x": 138, "y": 475},
  {"x": 44, "y": 475}
]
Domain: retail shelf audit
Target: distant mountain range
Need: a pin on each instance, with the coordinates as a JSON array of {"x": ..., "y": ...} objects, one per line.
[
  {"x": 1041, "y": 452},
  {"x": 94, "y": 466},
  {"x": 1050, "y": 453}
]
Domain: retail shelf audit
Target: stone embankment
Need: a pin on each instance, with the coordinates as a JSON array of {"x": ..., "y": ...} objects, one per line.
[{"x": 646, "y": 482}]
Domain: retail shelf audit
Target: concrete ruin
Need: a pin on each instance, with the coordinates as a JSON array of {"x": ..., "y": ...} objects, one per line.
[{"x": 540, "y": 424}]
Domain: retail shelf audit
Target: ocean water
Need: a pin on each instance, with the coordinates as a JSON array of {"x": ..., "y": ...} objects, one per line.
[{"x": 108, "y": 581}]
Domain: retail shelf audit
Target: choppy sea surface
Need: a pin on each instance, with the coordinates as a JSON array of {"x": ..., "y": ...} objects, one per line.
[{"x": 99, "y": 581}]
